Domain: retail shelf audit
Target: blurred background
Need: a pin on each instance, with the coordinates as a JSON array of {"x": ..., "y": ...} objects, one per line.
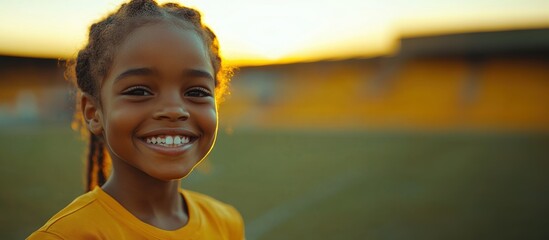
[{"x": 346, "y": 120}]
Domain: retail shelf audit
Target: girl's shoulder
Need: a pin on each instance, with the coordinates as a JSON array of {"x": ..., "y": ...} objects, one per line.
[
  {"x": 67, "y": 222},
  {"x": 214, "y": 212},
  {"x": 207, "y": 202}
]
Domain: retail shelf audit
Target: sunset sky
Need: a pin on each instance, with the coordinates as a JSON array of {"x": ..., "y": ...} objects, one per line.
[{"x": 263, "y": 32}]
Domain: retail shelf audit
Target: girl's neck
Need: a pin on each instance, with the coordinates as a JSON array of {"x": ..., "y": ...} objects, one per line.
[{"x": 153, "y": 201}]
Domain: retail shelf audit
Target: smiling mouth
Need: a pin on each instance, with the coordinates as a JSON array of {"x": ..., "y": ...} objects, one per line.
[{"x": 170, "y": 141}]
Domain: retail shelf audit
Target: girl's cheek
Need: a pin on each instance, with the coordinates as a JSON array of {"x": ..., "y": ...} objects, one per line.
[
  {"x": 211, "y": 115},
  {"x": 206, "y": 118}
]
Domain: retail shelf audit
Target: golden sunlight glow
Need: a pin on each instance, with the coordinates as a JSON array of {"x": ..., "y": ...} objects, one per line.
[{"x": 265, "y": 32}]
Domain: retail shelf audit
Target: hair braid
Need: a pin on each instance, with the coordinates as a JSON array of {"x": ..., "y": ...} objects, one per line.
[
  {"x": 101, "y": 166},
  {"x": 90, "y": 162}
]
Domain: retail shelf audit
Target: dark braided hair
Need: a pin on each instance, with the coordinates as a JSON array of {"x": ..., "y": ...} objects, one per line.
[{"x": 91, "y": 65}]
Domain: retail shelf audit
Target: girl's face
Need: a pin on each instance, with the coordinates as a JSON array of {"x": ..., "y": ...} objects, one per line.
[{"x": 158, "y": 110}]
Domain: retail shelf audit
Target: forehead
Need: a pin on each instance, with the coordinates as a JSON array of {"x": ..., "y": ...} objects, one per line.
[{"x": 163, "y": 44}]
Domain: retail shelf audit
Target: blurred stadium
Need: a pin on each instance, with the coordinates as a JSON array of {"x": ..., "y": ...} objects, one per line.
[{"x": 447, "y": 138}]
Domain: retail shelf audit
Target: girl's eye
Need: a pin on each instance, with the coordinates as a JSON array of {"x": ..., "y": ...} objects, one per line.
[
  {"x": 198, "y": 92},
  {"x": 138, "y": 91}
]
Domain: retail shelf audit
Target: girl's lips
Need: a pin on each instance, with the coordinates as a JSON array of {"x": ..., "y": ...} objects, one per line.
[
  {"x": 173, "y": 149},
  {"x": 167, "y": 131},
  {"x": 169, "y": 151}
]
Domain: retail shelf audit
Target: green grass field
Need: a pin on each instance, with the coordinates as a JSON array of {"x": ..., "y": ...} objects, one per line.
[{"x": 315, "y": 185}]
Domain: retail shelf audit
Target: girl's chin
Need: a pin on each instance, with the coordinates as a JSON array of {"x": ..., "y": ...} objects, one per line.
[
  {"x": 171, "y": 176},
  {"x": 170, "y": 169}
]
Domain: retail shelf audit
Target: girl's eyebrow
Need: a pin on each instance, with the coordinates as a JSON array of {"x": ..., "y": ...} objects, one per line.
[
  {"x": 135, "y": 72},
  {"x": 197, "y": 73}
]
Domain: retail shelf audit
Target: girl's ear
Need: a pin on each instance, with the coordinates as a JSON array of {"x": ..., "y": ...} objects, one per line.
[{"x": 92, "y": 114}]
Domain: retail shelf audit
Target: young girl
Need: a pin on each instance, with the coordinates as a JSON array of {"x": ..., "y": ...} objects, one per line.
[{"x": 149, "y": 80}]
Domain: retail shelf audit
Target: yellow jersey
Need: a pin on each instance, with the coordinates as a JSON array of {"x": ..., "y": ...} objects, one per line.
[{"x": 96, "y": 215}]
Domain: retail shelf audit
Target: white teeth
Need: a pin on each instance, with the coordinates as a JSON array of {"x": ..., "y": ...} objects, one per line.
[{"x": 169, "y": 141}]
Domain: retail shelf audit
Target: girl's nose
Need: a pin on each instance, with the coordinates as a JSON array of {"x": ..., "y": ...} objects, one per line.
[
  {"x": 172, "y": 111},
  {"x": 175, "y": 113}
]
